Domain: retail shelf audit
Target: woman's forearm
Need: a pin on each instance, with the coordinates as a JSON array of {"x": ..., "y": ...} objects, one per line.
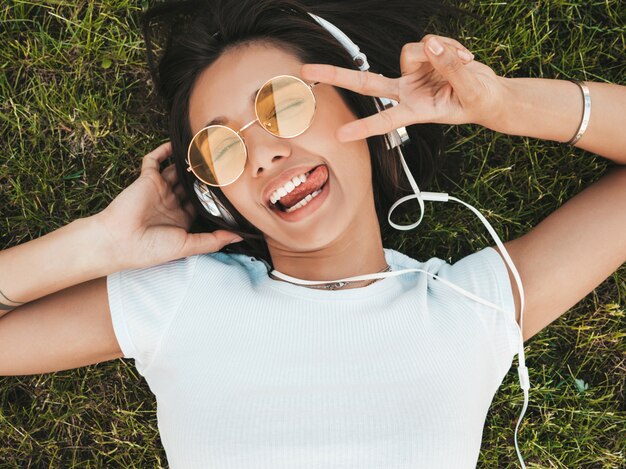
[
  {"x": 73, "y": 254},
  {"x": 553, "y": 109}
]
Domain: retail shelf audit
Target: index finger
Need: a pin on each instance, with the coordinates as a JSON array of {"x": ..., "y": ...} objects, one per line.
[
  {"x": 377, "y": 124},
  {"x": 369, "y": 84},
  {"x": 153, "y": 159}
]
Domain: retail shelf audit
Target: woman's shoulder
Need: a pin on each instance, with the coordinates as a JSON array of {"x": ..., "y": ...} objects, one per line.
[
  {"x": 213, "y": 264},
  {"x": 231, "y": 263},
  {"x": 481, "y": 257},
  {"x": 400, "y": 260},
  {"x": 478, "y": 270}
]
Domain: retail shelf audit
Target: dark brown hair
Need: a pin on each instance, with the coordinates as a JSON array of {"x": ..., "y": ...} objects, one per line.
[{"x": 196, "y": 33}]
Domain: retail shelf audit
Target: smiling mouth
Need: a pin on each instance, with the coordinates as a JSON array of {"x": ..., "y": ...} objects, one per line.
[{"x": 317, "y": 178}]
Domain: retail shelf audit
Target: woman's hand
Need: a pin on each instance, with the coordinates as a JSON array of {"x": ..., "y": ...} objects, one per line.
[
  {"x": 147, "y": 222},
  {"x": 439, "y": 83}
]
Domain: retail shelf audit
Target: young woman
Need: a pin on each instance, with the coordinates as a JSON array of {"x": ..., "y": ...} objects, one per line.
[{"x": 251, "y": 368}]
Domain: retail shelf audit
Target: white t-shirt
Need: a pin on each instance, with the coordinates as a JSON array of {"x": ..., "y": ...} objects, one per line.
[{"x": 254, "y": 373}]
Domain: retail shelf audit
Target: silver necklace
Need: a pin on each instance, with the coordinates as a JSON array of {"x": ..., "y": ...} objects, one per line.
[{"x": 339, "y": 285}]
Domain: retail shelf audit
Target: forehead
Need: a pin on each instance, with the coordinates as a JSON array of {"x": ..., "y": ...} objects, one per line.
[{"x": 227, "y": 86}]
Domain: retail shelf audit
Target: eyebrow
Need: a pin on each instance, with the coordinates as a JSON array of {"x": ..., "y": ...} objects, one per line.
[{"x": 222, "y": 120}]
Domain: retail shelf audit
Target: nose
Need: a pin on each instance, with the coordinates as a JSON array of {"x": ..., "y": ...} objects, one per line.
[{"x": 264, "y": 149}]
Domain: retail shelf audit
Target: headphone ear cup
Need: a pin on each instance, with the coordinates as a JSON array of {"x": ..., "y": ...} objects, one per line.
[{"x": 212, "y": 204}]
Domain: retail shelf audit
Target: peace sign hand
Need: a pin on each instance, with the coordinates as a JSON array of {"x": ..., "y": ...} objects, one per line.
[{"x": 439, "y": 84}]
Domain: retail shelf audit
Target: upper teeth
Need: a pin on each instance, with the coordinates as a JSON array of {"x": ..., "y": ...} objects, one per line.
[{"x": 287, "y": 188}]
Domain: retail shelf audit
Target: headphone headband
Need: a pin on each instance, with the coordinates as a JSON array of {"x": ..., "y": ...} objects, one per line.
[{"x": 360, "y": 59}]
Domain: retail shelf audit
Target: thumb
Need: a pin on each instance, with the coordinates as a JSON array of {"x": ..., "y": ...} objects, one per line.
[
  {"x": 413, "y": 57},
  {"x": 202, "y": 243},
  {"x": 446, "y": 61}
]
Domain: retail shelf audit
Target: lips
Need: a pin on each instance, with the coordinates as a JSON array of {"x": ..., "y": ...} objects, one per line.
[
  {"x": 305, "y": 212},
  {"x": 314, "y": 181},
  {"x": 282, "y": 179}
]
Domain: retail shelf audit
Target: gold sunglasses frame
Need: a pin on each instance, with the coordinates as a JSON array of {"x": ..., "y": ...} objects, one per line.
[{"x": 238, "y": 132}]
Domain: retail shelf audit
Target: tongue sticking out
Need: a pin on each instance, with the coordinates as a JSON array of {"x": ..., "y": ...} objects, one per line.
[{"x": 313, "y": 182}]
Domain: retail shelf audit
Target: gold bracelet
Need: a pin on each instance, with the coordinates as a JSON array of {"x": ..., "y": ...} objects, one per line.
[{"x": 586, "y": 112}]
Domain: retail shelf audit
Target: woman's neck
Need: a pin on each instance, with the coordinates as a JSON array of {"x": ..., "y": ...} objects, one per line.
[{"x": 358, "y": 251}]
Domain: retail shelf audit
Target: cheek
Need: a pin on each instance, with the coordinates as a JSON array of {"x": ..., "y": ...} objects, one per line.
[
  {"x": 331, "y": 114},
  {"x": 242, "y": 201},
  {"x": 353, "y": 166}
]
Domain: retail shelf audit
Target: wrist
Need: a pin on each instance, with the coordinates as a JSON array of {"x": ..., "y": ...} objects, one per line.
[
  {"x": 501, "y": 115},
  {"x": 102, "y": 253},
  {"x": 72, "y": 254},
  {"x": 540, "y": 108}
]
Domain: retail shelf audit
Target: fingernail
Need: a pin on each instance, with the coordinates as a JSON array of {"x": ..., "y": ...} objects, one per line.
[
  {"x": 464, "y": 55},
  {"x": 435, "y": 47},
  {"x": 236, "y": 239}
]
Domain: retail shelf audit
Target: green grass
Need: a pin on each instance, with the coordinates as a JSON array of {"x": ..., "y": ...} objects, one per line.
[{"x": 76, "y": 118}]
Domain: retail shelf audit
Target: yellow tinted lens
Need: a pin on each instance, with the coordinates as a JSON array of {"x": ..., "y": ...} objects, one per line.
[
  {"x": 285, "y": 106},
  {"x": 217, "y": 155}
]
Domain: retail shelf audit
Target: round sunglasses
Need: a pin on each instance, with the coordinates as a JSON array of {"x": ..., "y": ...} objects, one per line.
[{"x": 284, "y": 107}]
